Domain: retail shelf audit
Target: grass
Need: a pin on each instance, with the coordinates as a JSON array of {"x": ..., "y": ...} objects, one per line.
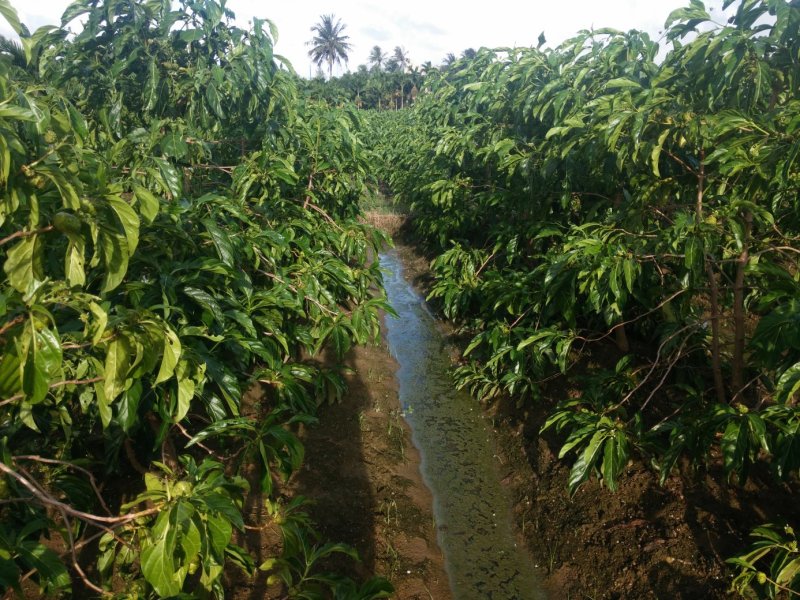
[{"x": 381, "y": 212}]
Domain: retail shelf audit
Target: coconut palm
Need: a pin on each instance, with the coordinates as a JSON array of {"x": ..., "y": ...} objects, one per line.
[
  {"x": 377, "y": 57},
  {"x": 13, "y": 51},
  {"x": 329, "y": 45},
  {"x": 401, "y": 56}
]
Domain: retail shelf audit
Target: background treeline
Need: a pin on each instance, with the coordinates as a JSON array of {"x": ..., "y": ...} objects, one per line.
[
  {"x": 177, "y": 224},
  {"x": 630, "y": 221},
  {"x": 387, "y": 82}
]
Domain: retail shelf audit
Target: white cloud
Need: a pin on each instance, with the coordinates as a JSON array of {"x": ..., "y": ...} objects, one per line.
[{"x": 428, "y": 30}]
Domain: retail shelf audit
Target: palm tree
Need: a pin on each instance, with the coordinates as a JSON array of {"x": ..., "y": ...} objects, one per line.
[
  {"x": 328, "y": 44},
  {"x": 392, "y": 66},
  {"x": 377, "y": 57},
  {"x": 401, "y": 56},
  {"x": 13, "y": 51},
  {"x": 449, "y": 59}
]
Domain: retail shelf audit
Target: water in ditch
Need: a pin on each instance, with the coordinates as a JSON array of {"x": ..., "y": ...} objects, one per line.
[{"x": 472, "y": 510}]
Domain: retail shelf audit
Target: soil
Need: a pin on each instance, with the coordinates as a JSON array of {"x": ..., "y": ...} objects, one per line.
[{"x": 361, "y": 472}]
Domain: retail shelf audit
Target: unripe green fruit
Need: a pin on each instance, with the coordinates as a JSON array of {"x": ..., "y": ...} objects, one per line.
[
  {"x": 67, "y": 223},
  {"x": 50, "y": 137},
  {"x": 182, "y": 488}
]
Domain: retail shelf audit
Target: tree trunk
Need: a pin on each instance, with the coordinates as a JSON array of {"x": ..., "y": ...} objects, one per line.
[
  {"x": 716, "y": 360},
  {"x": 621, "y": 339},
  {"x": 738, "y": 310}
]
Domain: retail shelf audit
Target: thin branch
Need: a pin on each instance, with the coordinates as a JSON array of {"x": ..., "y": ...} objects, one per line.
[
  {"x": 679, "y": 161},
  {"x": 296, "y": 291},
  {"x": 52, "y": 461},
  {"x": 667, "y": 371},
  {"x": 655, "y": 364},
  {"x": 189, "y": 436},
  {"x": 21, "y": 234},
  {"x": 16, "y": 397},
  {"x": 642, "y": 316},
  {"x": 486, "y": 262},
  {"x": 519, "y": 318},
  {"x": 75, "y": 564},
  {"x": 46, "y": 499},
  {"x": 15, "y": 321},
  {"x": 327, "y": 217}
]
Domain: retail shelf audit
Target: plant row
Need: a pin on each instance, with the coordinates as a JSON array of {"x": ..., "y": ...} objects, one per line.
[
  {"x": 177, "y": 225},
  {"x": 628, "y": 216}
]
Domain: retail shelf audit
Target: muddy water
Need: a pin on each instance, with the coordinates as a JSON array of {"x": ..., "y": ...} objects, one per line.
[{"x": 472, "y": 511}]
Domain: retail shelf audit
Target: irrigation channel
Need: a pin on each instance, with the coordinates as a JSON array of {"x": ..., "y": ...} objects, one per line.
[{"x": 472, "y": 510}]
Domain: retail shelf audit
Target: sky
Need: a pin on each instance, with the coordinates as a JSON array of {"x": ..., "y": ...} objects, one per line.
[{"x": 427, "y": 29}]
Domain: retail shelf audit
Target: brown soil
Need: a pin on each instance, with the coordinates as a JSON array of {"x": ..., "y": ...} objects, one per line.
[
  {"x": 361, "y": 472},
  {"x": 643, "y": 541}
]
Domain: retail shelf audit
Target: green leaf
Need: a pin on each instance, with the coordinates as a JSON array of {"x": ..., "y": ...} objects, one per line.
[
  {"x": 173, "y": 145},
  {"x": 219, "y": 533},
  {"x": 734, "y": 446},
  {"x": 148, "y": 203},
  {"x": 240, "y": 557},
  {"x": 115, "y": 254},
  {"x": 158, "y": 568},
  {"x": 42, "y": 363},
  {"x": 788, "y": 573},
  {"x": 629, "y": 268},
  {"x": 75, "y": 259},
  {"x": 214, "y": 100},
  {"x": 9, "y": 575},
  {"x": 21, "y": 265},
  {"x": 118, "y": 361},
  {"x": 615, "y": 457},
  {"x": 170, "y": 178},
  {"x": 206, "y": 301},
  {"x": 655, "y": 154},
  {"x": 788, "y": 384},
  {"x": 186, "y": 387},
  {"x": 51, "y": 570},
  {"x": 191, "y": 541},
  {"x": 170, "y": 356},
  {"x": 621, "y": 83},
  {"x": 221, "y": 241},
  {"x": 151, "y": 88},
  {"x": 101, "y": 317},
  {"x": 128, "y": 219},
  {"x": 11, "y": 16},
  {"x": 586, "y": 460}
]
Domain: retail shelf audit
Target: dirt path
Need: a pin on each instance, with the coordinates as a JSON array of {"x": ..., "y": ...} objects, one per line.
[{"x": 363, "y": 472}]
